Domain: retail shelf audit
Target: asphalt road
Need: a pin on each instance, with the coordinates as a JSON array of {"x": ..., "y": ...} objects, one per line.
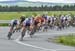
[{"x": 39, "y": 42}]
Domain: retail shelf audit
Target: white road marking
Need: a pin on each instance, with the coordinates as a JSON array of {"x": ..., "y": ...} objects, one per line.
[{"x": 37, "y": 47}]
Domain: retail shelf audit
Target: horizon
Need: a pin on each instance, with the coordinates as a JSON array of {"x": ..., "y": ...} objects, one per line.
[{"x": 50, "y": 1}]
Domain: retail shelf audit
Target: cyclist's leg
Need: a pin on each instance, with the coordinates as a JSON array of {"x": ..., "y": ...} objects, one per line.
[
  {"x": 17, "y": 28},
  {"x": 23, "y": 32},
  {"x": 38, "y": 26},
  {"x": 10, "y": 32},
  {"x": 32, "y": 30}
]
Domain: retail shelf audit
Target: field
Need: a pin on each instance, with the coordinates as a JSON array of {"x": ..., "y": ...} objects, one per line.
[{"x": 14, "y": 15}]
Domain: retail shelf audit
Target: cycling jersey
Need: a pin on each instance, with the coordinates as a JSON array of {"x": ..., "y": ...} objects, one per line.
[
  {"x": 14, "y": 22},
  {"x": 27, "y": 22}
]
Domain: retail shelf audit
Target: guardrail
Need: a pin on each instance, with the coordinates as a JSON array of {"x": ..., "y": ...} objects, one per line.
[{"x": 5, "y": 21}]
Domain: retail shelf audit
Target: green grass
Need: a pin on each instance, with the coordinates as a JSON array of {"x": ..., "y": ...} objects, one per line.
[
  {"x": 66, "y": 40},
  {"x": 14, "y": 15},
  {"x": 4, "y": 24}
]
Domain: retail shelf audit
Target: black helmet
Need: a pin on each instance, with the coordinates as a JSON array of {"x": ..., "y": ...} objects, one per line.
[{"x": 22, "y": 18}]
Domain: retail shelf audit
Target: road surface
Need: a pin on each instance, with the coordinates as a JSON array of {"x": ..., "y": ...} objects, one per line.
[{"x": 39, "y": 42}]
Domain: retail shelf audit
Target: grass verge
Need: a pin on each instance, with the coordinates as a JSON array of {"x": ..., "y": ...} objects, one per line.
[
  {"x": 66, "y": 40},
  {"x": 4, "y": 24}
]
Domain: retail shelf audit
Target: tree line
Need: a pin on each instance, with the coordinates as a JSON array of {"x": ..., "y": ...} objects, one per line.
[{"x": 42, "y": 8}]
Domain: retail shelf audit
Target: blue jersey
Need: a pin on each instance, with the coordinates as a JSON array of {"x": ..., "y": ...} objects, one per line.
[
  {"x": 28, "y": 21},
  {"x": 45, "y": 17}
]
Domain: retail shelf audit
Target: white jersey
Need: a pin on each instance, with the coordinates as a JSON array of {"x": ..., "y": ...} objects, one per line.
[
  {"x": 64, "y": 18},
  {"x": 48, "y": 17},
  {"x": 54, "y": 18},
  {"x": 12, "y": 21},
  {"x": 69, "y": 18}
]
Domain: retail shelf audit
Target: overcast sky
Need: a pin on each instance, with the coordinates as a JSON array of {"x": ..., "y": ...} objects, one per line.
[{"x": 54, "y": 1}]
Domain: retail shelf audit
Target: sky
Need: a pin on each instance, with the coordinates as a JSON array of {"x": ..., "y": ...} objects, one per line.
[{"x": 53, "y": 1}]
